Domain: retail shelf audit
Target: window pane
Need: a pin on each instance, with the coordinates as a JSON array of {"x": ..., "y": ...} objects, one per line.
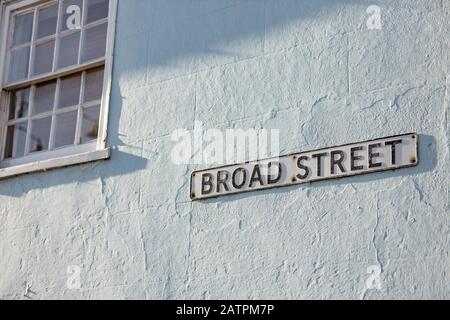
[
  {"x": 68, "y": 50},
  {"x": 18, "y": 68},
  {"x": 97, "y": 9},
  {"x": 89, "y": 128},
  {"x": 40, "y": 134},
  {"x": 94, "y": 85},
  {"x": 23, "y": 27},
  {"x": 47, "y": 18},
  {"x": 15, "y": 140},
  {"x": 18, "y": 106},
  {"x": 66, "y": 124},
  {"x": 69, "y": 92},
  {"x": 43, "y": 58},
  {"x": 95, "y": 42},
  {"x": 44, "y": 97},
  {"x": 69, "y": 17}
]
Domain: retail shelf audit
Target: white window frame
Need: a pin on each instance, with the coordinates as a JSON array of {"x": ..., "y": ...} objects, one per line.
[{"x": 68, "y": 156}]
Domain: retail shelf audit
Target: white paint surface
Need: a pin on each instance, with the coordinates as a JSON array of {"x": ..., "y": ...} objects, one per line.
[{"x": 310, "y": 68}]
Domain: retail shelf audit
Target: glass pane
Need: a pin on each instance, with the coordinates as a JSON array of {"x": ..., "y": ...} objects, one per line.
[
  {"x": 18, "y": 68},
  {"x": 43, "y": 58},
  {"x": 66, "y": 124},
  {"x": 94, "y": 85},
  {"x": 23, "y": 27},
  {"x": 18, "y": 106},
  {"x": 47, "y": 18},
  {"x": 15, "y": 140},
  {"x": 95, "y": 42},
  {"x": 69, "y": 92},
  {"x": 89, "y": 128},
  {"x": 44, "y": 97},
  {"x": 96, "y": 10},
  {"x": 72, "y": 13},
  {"x": 40, "y": 134},
  {"x": 68, "y": 50}
]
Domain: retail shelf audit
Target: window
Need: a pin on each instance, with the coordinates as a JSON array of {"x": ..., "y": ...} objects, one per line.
[{"x": 55, "y": 69}]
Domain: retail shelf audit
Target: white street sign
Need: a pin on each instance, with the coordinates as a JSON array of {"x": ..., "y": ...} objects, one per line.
[{"x": 330, "y": 163}]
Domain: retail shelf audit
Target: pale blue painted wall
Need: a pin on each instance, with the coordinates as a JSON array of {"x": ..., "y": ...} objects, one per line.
[{"x": 310, "y": 68}]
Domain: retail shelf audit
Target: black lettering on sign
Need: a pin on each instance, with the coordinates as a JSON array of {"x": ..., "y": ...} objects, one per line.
[
  {"x": 319, "y": 157},
  {"x": 393, "y": 145},
  {"x": 237, "y": 185},
  {"x": 354, "y": 158},
  {"x": 256, "y": 176},
  {"x": 207, "y": 185},
  {"x": 303, "y": 167},
  {"x": 222, "y": 180},
  {"x": 270, "y": 179},
  {"x": 373, "y": 155},
  {"x": 337, "y": 162}
]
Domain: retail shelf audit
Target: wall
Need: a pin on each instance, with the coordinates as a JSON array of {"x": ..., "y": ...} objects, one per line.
[{"x": 312, "y": 69}]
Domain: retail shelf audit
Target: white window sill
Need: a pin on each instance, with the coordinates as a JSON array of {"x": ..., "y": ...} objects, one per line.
[{"x": 54, "y": 163}]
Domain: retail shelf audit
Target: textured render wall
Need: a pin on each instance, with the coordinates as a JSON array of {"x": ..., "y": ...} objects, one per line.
[{"x": 310, "y": 68}]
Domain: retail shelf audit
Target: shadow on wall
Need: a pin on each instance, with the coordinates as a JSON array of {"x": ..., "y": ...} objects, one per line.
[
  {"x": 192, "y": 29},
  {"x": 121, "y": 163},
  {"x": 157, "y": 40},
  {"x": 181, "y": 28}
]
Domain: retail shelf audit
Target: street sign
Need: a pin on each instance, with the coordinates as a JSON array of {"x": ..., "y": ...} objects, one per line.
[{"x": 372, "y": 156}]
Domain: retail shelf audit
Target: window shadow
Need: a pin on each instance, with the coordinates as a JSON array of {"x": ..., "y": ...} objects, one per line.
[{"x": 121, "y": 163}]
